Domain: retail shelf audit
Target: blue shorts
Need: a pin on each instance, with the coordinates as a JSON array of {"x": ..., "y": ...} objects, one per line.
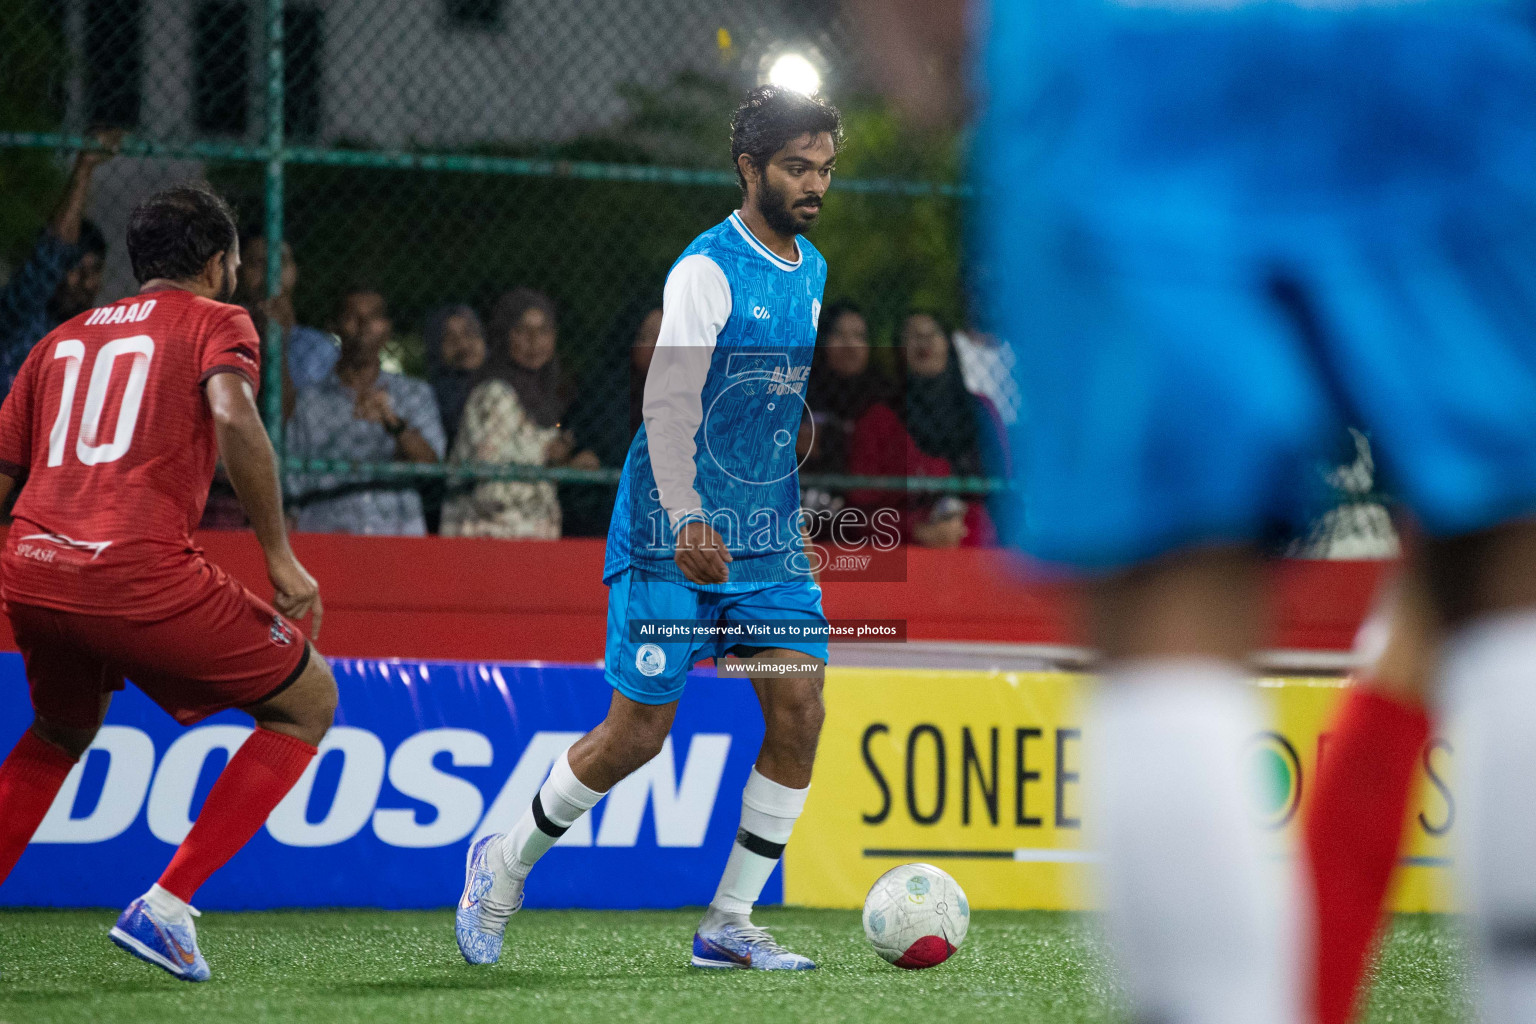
[
  {"x": 657, "y": 672},
  {"x": 1217, "y": 240}
]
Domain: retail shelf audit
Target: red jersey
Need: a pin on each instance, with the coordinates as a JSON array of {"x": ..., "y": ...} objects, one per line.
[{"x": 108, "y": 423}]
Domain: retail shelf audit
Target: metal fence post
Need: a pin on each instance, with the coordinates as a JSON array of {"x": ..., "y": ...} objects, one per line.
[{"x": 272, "y": 348}]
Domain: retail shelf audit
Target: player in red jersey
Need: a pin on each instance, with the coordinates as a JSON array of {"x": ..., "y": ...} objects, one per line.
[{"x": 115, "y": 423}]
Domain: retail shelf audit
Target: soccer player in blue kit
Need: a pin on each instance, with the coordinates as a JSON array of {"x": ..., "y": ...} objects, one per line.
[
  {"x": 707, "y": 532},
  {"x": 1217, "y": 230}
]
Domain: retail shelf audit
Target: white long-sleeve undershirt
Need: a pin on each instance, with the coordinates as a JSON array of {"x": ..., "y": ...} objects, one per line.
[{"x": 696, "y": 304}]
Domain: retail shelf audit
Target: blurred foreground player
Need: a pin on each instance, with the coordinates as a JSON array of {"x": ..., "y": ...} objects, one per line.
[
  {"x": 115, "y": 422},
  {"x": 1215, "y": 229},
  {"x": 1220, "y": 230},
  {"x": 707, "y": 530}
]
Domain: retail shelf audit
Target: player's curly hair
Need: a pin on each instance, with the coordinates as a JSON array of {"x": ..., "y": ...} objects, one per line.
[
  {"x": 771, "y": 117},
  {"x": 175, "y": 232}
]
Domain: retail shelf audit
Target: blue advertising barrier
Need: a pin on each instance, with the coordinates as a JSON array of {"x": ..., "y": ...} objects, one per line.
[{"x": 423, "y": 757}]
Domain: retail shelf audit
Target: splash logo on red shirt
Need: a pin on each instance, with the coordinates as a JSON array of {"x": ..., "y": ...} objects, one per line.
[
  {"x": 95, "y": 547},
  {"x": 281, "y": 633}
]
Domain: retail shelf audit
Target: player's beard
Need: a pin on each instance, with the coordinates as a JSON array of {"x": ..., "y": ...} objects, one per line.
[{"x": 777, "y": 210}]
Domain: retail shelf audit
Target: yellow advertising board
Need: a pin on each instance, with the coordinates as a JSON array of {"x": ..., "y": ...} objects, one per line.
[{"x": 982, "y": 773}]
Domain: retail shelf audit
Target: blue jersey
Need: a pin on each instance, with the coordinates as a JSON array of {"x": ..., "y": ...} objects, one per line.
[
  {"x": 730, "y": 457},
  {"x": 1216, "y": 229},
  {"x": 1265, "y": 102}
]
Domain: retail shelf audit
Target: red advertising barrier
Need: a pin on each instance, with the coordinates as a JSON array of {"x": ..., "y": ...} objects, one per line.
[{"x": 492, "y": 600}]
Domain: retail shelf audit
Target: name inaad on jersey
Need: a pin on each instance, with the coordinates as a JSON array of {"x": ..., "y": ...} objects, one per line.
[
  {"x": 130, "y": 314},
  {"x": 109, "y": 423}
]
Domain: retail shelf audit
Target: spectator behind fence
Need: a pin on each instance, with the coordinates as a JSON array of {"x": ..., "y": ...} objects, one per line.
[
  {"x": 62, "y": 275},
  {"x": 843, "y": 385},
  {"x": 602, "y": 422},
  {"x": 514, "y": 417},
  {"x": 309, "y": 353},
  {"x": 935, "y": 428},
  {"x": 362, "y": 413},
  {"x": 454, "y": 340}
]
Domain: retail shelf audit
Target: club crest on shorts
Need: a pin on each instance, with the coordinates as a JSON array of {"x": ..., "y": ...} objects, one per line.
[
  {"x": 281, "y": 633},
  {"x": 650, "y": 660}
]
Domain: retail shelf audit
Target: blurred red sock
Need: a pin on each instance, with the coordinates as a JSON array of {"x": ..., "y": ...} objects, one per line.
[
  {"x": 256, "y": 779},
  {"x": 1353, "y": 834},
  {"x": 29, "y": 780}
]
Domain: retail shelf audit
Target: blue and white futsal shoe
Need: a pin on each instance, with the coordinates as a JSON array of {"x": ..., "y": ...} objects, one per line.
[
  {"x": 481, "y": 921},
  {"x": 744, "y": 947},
  {"x": 154, "y": 940}
]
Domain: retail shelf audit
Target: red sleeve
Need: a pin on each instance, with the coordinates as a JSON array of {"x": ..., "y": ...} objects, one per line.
[
  {"x": 879, "y": 448},
  {"x": 16, "y": 420},
  {"x": 980, "y": 532},
  {"x": 230, "y": 345}
]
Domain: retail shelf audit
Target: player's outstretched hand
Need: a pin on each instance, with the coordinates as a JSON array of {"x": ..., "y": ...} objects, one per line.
[
  {"x": 296, "y": 592},
  {"x": 701, "y": 554}
]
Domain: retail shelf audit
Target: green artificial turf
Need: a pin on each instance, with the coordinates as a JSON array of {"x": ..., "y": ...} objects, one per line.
[{"x": 381, "y": 967}]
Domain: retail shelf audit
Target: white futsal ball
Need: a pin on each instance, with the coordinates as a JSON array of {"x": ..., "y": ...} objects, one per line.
[{"x": 916, "y": 916}]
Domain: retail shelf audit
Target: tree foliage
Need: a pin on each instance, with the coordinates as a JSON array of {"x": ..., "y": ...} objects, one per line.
[{"x": 33, "y": 54}]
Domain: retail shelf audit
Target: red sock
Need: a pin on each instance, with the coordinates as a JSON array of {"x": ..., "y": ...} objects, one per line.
[
  {"x": 1353, "y": 834},
  {"x": 260, "y": 774},
  {"x": 29, "y": 780}
]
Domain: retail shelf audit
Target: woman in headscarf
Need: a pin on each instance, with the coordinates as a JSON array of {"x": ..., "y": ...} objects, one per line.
[
  {"x": 608, "y": 411},
  {"x": 844, "y": 384},
  {"x": 602, "y": 420},
  {"x": 513, "y": 417},
  {"x": 935, "y": 428},
  {"x": 455, "y": 343}
]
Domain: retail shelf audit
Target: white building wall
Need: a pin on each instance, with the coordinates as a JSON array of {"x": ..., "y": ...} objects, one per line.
[{"x": 552, "y": 70}]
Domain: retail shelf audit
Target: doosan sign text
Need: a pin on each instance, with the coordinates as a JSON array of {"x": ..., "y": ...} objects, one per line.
[
  {"x": 422, "y": 758},
  {"x": 682, "y": 806}
]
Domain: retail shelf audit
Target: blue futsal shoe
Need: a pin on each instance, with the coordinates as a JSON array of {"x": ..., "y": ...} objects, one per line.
[
  {"x": 744, "y": 946},
  {"x": 480, "y": 921},
  {"x": 172, "y": 947}
]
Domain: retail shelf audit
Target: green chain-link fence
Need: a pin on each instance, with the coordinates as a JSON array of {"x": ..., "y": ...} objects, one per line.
[
  {"x": 434, "y": 155},
  {"x": 444, "y": 152}
]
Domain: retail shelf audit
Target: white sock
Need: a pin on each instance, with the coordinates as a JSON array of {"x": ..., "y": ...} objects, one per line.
[
  {"x": 1490, "y": 676},
  {"x": 1201, "y": 919},
  {"x": 168, "y": 906},
  {"x": 555, "y": 809},
  {"x": 768, "y": 815}
]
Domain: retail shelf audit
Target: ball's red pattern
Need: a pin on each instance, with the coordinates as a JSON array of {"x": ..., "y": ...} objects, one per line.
[{"x": 928, "y": 951}]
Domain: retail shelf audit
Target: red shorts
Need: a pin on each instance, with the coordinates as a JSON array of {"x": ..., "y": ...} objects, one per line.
[{"x": 227, "y": 649}]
